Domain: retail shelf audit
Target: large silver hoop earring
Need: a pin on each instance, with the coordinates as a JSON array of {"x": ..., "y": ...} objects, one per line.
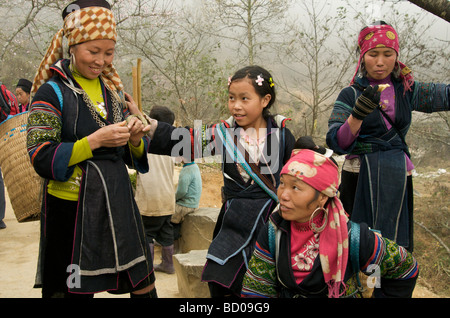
[
  {"x": 72, "y": 61},
  {"x": 313, "y": 226}
]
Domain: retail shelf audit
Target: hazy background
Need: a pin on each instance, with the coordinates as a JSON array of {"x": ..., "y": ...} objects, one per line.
[{"x": 189, "y": 48}]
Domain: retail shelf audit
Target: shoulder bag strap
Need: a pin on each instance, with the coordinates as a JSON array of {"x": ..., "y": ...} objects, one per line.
[
  {"x": 243, "y": 159},
  {"x": 355, "y": 236},
  {"x": 58, "y": 92},
  {"x": 397, "y": 130}
]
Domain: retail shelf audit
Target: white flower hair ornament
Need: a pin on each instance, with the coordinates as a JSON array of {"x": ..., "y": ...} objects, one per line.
[{"x": 260, "y": 80}]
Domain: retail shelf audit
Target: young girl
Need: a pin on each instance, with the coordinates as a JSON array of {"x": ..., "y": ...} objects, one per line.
[
  {"x": 254, "y": 146},
  {"x": 307, "y": 249},
  {"x": 371, "y": 126}
]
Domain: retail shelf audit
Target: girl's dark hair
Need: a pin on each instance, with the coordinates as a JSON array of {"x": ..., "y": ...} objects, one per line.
[
  {"x": 306, "y": 142},
  {"x": 162, "y": 113},
  {"x": 267, "y": 84}
]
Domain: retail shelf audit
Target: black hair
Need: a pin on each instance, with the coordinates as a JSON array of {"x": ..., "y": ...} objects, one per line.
[
  {"x": 306, "y": 142},
  {"x": 267, "y": 86},
  {"x": 80, "y": 4},
  {"x": 162, "y": 113},
  {"x": 25, "y": 85}
]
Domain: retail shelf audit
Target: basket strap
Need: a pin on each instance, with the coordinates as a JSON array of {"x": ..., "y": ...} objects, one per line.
[{"x": 58, "y": 93}]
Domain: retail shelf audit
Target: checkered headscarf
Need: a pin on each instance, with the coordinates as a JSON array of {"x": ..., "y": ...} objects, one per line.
[{"x": 81, "y": 25}]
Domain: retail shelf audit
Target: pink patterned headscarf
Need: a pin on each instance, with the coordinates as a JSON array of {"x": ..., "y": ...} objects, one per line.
[
  {"x": 376, "y": 36},
  {"x": 321, "y": 173}
]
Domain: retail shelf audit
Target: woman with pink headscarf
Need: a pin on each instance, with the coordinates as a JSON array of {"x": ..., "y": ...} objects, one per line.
[
  {"x": 308, "y": 250},
  {"x": 369, "y": 123}
]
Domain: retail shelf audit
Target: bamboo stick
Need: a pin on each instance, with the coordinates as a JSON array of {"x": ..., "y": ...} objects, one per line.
[
  {"x": 139, "y": 89},
  {"x": 135, "y": 83}
]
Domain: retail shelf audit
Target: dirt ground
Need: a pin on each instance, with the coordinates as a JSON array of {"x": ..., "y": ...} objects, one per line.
[{"x": 19, "y": 244}]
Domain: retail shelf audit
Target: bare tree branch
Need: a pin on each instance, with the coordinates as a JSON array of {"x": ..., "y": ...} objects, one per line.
[
  {"x": 440, "y": 8},
  {"x": 437, "y": 238}
]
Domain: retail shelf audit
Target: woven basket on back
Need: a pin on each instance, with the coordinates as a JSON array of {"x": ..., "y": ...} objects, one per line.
[{"x": 21, "y": 181}]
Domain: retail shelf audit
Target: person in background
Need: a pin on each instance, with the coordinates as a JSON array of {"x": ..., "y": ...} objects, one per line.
[
  {"x": 369, "y": 123},
  {"x": 8, "y": 103},
  {"x": 8, "y": 107},
  {"x": 187, "y": 196},
  {"x": 155, "y": 197},
  {"x": 23, "y": 90}
]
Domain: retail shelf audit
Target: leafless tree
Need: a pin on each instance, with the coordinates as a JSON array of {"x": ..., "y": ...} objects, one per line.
[
  {"x": 182, "y": 70},
  {"x": 28, "y": 17},
  {"x": 318, "y": 54},
  {"x": 252, "y": 25}
]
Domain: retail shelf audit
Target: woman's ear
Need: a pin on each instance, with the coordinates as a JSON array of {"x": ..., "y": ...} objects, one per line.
[
  {"x": 72, "y": 49},
  {"x": 322, "y": 200}
]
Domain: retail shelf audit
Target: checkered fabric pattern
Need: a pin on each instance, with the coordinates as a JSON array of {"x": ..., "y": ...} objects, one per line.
[
  {"x": 87, "y": 24},
  {"x": 91, "y": 23}
]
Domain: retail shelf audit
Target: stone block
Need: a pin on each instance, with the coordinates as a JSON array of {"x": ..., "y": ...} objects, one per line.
[
  {"x": 197, "y": 229},
  {"x": 189, "y": 267}
]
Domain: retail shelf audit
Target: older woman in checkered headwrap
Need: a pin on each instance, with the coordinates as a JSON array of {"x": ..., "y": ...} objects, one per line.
[{"x": 79, "y": 141}]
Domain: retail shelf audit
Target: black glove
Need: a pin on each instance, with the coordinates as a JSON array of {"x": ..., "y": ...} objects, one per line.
[{"x": 367, "y": 102}]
